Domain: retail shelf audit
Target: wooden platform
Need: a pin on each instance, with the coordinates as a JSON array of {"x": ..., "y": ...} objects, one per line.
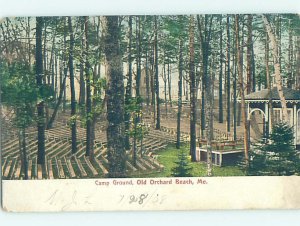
[{"x": 219, "y": 157}]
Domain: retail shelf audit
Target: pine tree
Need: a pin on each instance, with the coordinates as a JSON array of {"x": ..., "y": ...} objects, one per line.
[
  {"x": 278, "y": 157},
  {"x": 182, "y": 168}
]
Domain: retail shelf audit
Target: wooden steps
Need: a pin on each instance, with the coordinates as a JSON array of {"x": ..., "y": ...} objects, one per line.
[
  {"x": 29, "y": 168},
  {"x": 80, "y": 167},
  {"x": 61, "y": 163},
  {"x": 7, "y": 169},
  {"x": 90, "y": 166},
  {"x": 50, "y": 170},
  {"x": 130, "y": 166},
  {"x": 17, "y": 172},
  {"x": 70, "y": 168},
  {"x": 147, "y": 163},
  {"x": 100, "y": 165}
]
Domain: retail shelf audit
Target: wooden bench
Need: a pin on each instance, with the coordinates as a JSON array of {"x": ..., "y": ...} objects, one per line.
[
  {"x": 80, "y": 167},
  {"x": 70, "y": 167},
  {"x": 90, "y": 166},
  {"x": 100, "y": 165}
]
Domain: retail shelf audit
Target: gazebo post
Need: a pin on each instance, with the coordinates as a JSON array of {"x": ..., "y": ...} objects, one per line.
[
  {"x": 295, "y": 122},
  {"x": 267, "y": 125}
]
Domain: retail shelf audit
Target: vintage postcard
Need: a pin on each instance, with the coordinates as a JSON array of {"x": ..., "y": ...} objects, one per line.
[{"x": 150, "y": 112}]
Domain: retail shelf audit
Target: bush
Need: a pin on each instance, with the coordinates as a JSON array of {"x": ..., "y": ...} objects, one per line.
[
  {"x": 182, "y": 168},
  {"x": 277, "y": 156}
]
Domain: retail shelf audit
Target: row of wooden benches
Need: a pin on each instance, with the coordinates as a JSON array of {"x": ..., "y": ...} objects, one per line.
[{"x": 61, "y": 168}]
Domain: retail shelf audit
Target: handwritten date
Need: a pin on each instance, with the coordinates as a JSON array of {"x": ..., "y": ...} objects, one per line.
[{"x": 142, "y": 199}]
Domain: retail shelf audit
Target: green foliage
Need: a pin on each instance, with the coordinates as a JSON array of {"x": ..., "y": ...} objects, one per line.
[
  {"x": 138, "y": 128},
  {"x": 278, "y": 156},
  {"x": 97, "y": 98},
  {"x": 72, "y": 120},
  {"x": 182, "y": 168},
  {"x": 19, "y": 92}
]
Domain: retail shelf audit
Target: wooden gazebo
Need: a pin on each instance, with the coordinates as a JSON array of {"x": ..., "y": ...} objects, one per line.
[{"x": 259, "y": 101}]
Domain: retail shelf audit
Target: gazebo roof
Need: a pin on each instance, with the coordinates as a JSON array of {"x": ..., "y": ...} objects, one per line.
[{"x": 263, "y": 95}]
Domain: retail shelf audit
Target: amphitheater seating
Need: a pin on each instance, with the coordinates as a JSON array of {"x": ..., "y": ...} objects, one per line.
[{"x": 61, "y": 163}]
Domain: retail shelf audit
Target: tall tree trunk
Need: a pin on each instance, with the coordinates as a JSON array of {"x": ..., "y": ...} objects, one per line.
[
  {"x": 128, "y": 94},
  {"x": 298, "y": 63},
  {"x": 202, "y": 110},
  {"x": 46, "y": 77},
  {"x": 39, "y": 81},
  {"x": 88, "y": 91},
  {"x": 41, "y": 104},
  {"x": 165, "y": 86},
  {"x": 192, "y": 78},
  {"x": 276, "y": 67},
  {"x": 290, "y": 77},
  {"x": 156, "y": 75},
  {"x": 56, "y": 77},
  {"x": 134, "y": 140},
  {"x": 249, "y": 50},
  {"x": 228, "y": 75},
  {"x": 81, "y": 75},
  {"x": 147, "y": 78},
  {"x": 179, "y": 93},
  {"x": 96, "y": 91},
  {"x": 138, "y": 60},
  {"x": 269, "y": 85},
  {"x": 46, "y": 74},
  {"x": 205, "y": 37},
  {"x": 234, "y": 96},
  {"x": 169, "y": 84},
  {"x": 152, "y": 85},
  {"x": 152, "y": 79},
  {"x": 115, "y": 98},
  {"x": 138, "y": 82},
  {"x": 243, "y": 105},
  {"x": 59, "y": 100},
  {"x": 65, "y": 64},
  {"x": 277, "y": 35},
  {"x": 72, "y": 86},
  {"x": 29, "y": 40},
  {"x": 221, "y": 75},
  {"x": 253, "y": 69}
]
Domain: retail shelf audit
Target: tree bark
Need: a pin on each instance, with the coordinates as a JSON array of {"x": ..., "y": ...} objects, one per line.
[
  {"x": 81, "y": 75},
  {"x": 156, "y": 74},
  {"x": 234, "y": 97},
  {"x": 249, "y": 50},
  {"x": 59, "y": 100},
  {"x": 138, "y": 57},
  {"x": 88, "y": 91},
  {"x": 169, "y": 84},
  {"x": 290, "y": 77},
  {"x": 39, "y": 81},
  {"x": 221, "y": 75},
  {"x": 165, "y": 86},
  {"x": 276, "y": 67},
  {"x": 147, "y": 78},
  {"x": 269, "y": 84},
  {"x": 298, "y": 63},
  {"x": 72, "y": 86},
  {"x": 241, "y": 85},
  {"x": 205, "y": 37},
  {"x": 192, "y": 78},
  {"x": 228, "y": 75},
  {"x": 115, "y": 98},
  {"x": 128, "y": 94},
  {"x": 180, "y": 69}
]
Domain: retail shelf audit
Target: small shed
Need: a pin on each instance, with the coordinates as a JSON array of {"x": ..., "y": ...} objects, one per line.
[{"x": 259, "y": 101}]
